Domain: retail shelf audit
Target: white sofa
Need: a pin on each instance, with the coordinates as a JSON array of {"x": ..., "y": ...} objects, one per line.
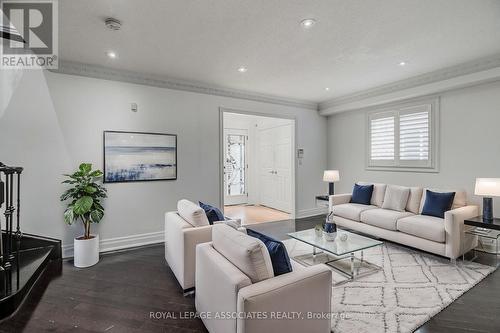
[
  {"x": 235, "y": 285},
  {"x": 184, "y": 229},
  {"x": 444, "y": 237}
]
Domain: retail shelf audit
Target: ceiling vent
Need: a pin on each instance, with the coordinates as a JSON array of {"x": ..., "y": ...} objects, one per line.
[{"x": 113, "y": 24}]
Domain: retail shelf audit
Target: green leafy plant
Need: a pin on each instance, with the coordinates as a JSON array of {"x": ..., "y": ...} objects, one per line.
[{"x": 85, "y": 193}]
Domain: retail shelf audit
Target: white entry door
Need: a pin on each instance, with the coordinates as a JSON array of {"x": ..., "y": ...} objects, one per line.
[
  {"x": 235, "y": 166},
  {"x": 275, "y": 159}
]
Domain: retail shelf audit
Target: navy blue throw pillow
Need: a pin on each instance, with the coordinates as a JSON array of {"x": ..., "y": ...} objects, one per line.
[
  {"x": 436, "y": 204},
  {"x": 362, "y": 194},
  {"x": 277, "y": 252},
  {"x": 213, "y": 213}
]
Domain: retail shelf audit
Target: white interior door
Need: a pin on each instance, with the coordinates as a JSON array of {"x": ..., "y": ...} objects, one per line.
[
  {"x": 275, "y": 159},
  {"x": 235, "y": 166}
]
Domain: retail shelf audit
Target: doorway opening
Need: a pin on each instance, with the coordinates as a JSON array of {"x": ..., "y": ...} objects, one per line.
[{"x": 258, "y": 167}]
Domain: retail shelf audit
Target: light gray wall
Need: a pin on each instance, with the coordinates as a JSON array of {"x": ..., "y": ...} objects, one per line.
[
  {"x": 469, "y": 144},
  {"x": 55, "y": 121}
]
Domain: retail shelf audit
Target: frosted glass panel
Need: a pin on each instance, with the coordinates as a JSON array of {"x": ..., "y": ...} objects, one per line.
[{"x": 234, "y": 167}]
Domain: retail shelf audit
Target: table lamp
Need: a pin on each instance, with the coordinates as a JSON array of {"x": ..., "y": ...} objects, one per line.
[
  {"x": 331, "y": 176},
  {"x": 488, "y": 188}
]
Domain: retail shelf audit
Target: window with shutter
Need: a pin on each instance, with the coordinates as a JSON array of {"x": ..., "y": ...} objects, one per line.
[
  {"x": 382, "y": 138},
  {"x": 403, "y": 138}
]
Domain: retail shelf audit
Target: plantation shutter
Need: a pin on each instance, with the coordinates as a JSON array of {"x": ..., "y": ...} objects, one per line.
[
  {"x": 404, "y": 138},
  {"x": 414, "y": 134},
  {"x": 382, "y": 138}
]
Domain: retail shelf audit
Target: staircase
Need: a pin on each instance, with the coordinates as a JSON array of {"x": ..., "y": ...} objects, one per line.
[{"x": 29, "y": 263}]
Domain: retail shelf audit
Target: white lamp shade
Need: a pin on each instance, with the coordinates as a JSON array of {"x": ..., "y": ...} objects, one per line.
[
  {"x": 488, "y": 187},
  {"x": 331, "y": 176}
]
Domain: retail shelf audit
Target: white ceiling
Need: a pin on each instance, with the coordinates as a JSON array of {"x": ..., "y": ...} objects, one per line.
[{"x": 355, "y": 45}]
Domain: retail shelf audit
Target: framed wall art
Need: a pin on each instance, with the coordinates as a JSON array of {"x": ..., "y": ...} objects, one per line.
[{"x": 139, "y": 156}]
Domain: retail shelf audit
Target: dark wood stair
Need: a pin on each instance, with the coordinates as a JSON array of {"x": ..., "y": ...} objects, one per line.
[{"x": 29, "y": 263}]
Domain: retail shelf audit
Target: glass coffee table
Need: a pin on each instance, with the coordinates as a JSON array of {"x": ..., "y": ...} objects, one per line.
[{"x": 338, "y": 254}]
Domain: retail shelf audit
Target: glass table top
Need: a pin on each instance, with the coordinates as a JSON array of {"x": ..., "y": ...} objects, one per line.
[
  {"x": 353, "y": 243},
  {"x": 483, "y": 232}
]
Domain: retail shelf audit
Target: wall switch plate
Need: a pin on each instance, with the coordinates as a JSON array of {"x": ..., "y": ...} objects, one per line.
[{"x": 133, "y": 107}]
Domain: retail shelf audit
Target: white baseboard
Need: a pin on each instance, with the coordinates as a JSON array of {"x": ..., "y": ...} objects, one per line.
[
  {"x": 311, "y": 212},
  {"x": 118, "y": 243}
]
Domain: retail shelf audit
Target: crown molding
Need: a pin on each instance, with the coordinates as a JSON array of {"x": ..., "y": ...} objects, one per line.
[
  {"x": 468, "y": 69},
  {"x": 106, "y": 73}
]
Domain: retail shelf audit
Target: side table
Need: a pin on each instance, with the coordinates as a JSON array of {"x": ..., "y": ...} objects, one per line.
[
  {"x": 489, "y": 229},
  {"x": 322, "y": 201}
]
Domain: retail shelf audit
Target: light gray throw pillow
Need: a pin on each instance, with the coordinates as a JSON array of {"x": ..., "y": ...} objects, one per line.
[{"x": 396, "y": 197}]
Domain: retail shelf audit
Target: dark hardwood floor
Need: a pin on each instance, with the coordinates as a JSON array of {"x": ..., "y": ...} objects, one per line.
[
  {"x": 116, "y": 295},
  {"x": 123, "y": 289},
  {"x": 478, "y": 310}
]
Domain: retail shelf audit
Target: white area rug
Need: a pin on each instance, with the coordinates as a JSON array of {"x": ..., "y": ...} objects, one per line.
[{"x": 412, "y": 287}]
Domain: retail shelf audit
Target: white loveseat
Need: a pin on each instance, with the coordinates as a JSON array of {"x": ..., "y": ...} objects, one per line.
[
  {"x": 444, "y": 237},
  {"x": 184, "y": 229},
  {"x": 236, "y": 290}
]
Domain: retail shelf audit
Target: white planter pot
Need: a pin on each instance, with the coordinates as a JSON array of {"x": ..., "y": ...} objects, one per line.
[{"x": 86, "y": 251}]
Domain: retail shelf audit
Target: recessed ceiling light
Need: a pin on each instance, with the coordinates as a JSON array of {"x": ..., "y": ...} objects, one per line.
[
  {"x": 111, "y": 54},
  {"x": 307, "y": 23},
  {"x": 112, "y": 23},
  {"x": 242, "y": 69},
  {"x": 327, "y": 89},
  {"x": 402, "y": 63}
]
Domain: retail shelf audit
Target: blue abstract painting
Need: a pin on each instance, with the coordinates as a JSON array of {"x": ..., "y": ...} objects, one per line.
[{"x": 133, "y": 156}]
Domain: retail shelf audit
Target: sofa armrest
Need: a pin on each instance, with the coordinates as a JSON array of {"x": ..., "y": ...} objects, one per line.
[
  {"x": 456, "y": 242},
  {"x": 217, "y": 284},
  {"x": 237, "y": 220},
  {"x": 338, "y": 199},
  {"x": 301, "y": 292},
  {"x": 235, "y": 223},
  {"x": 193, "y": 237}
]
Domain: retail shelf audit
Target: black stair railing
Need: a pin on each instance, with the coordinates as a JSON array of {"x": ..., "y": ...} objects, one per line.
[{"x": 10, "y": 196}]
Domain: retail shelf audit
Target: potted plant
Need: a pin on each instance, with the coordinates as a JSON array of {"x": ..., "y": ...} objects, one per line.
[{"x": 85, "y": 193}]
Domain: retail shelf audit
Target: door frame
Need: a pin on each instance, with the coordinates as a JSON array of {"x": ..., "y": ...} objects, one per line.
[{"x": 294, "y": 161}]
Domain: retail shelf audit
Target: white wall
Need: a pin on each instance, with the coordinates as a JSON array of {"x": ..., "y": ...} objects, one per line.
[
  {"x": 55, "y": 121},
  {"x": 469, "y": 144}
]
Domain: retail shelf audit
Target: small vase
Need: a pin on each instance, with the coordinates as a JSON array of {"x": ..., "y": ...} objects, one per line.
[
  {"x": 330, "y": 227},
  {"x": 330, "y": 231},
  {"x": 330, "y": 236}
]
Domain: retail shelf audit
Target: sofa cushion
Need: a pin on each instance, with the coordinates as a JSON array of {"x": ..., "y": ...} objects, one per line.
[
  {"x": 396, "y": 197},
  {"x": 436, "y": 204},
  {"x": 460, "y": 199},
  {"x": 213, "y": 213},
  {"x": 192, "y": 213},
  {"x": 277, "y": 252},
  {"x": 428, "y": 227},
  {"x": 351, "y": 211},
  {"x": 362, "y": 194},
  {"x": 413, "y": 204},
  {"x": 378, "y": 193},
  {"x": 247, "y": 253},
  {"x": 383, "y": 218}
]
